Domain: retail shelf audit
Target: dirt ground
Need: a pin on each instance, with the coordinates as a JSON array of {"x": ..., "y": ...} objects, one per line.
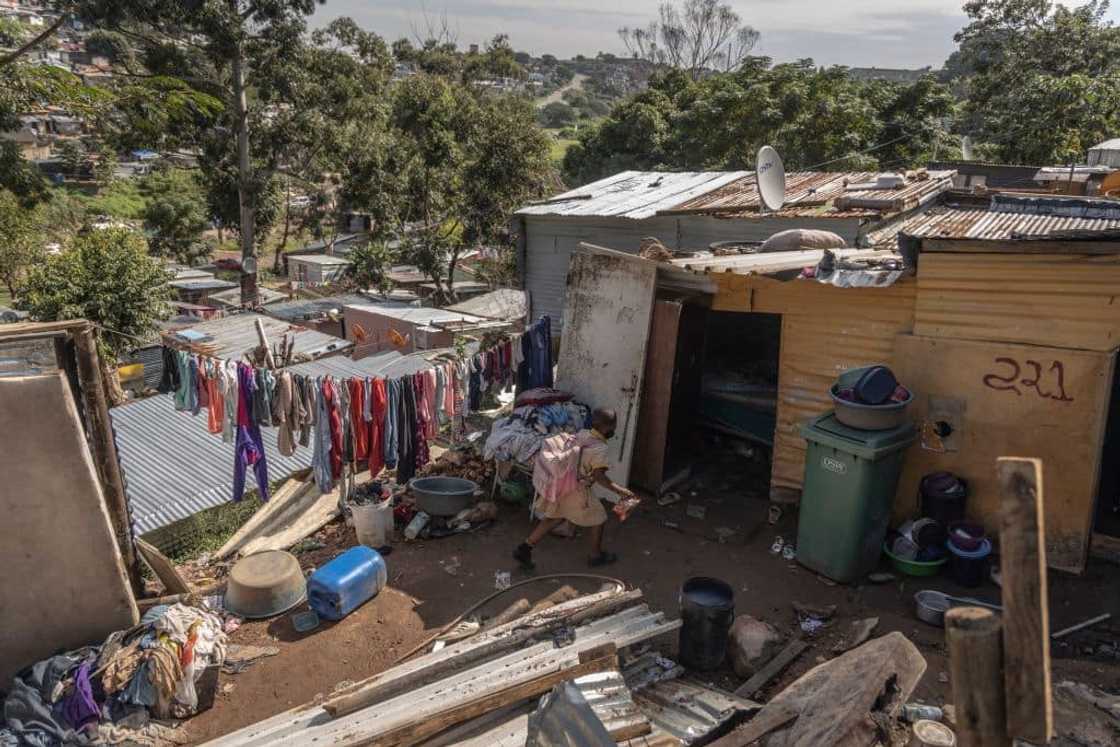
[{"x": 431, "y": 582}]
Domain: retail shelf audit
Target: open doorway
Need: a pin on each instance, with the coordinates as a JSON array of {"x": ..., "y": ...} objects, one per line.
[{"x": 709, "y": 401}]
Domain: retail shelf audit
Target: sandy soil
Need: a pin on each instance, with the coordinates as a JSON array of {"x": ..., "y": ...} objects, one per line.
[{"x": 435, "y": 580}]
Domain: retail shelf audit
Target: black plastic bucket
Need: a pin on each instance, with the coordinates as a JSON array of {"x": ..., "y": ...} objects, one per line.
[
  {"x": 943, "y": 496},
  {"x": 707, "y": 611}
]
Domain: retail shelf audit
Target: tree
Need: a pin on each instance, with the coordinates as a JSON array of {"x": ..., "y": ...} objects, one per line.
[
  {"x": 556, "y": 115},
  {"x": 20, "y": 243},
  {"x": 368, "y": 265},
  {"x": 222, "y": 49},
  {"x": 813, "y": 116},
  {"x": 105, "y": 166},
  {"x": 447, "y": 172},
  {"x": 175, "y": 214},
  {"x": 697, "y": 36},
  {"x": 106, "y": 277},
  {"x": 1016, "y": 55},
  {"x": 73, "y": 155}
]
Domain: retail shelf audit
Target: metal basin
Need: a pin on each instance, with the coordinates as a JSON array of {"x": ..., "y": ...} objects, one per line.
[
  {"x": 265, "y": 584},
  {"x": 443, "y": 496}
]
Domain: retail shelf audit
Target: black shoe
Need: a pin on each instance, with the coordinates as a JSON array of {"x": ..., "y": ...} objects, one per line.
[
  {"x": 603, "y": 558},
  {"x": 524, "y": 555}
]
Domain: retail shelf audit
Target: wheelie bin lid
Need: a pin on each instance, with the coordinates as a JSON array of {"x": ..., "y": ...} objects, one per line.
[{"x": 828, "y": 431}]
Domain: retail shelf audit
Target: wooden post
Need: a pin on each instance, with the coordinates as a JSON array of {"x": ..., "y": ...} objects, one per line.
[
  {"x": 104, "y": 448},
  {"x": 1026, "y": 614},
  {"x": 974, "y": 639}
]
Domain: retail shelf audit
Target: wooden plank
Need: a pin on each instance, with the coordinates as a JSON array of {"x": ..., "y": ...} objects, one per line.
[
  {"x": 412, "y": 733},
  {"x": 103, "y": 445},
  {"x": 508, "y": 637},
  {"x": 292, "y": 490},
  {"x": 164, "y": 569},
  {"x": 648, "y": 468},
  {"x": 1105, "y": 547},
  {"x": 321, "y": 512},
  {"x": 973, "y": 636},
  {"x": 1026, "y": 613},
  {"x": 1008, "y": 408},
  {"x": 772, "y": 669},
  {"x": 771, "y": 717}
]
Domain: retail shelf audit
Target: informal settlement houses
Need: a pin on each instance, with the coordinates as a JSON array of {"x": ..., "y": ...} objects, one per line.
[{"x": 997, "y": 309}]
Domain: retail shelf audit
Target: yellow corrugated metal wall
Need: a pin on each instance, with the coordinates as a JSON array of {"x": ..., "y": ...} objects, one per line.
[
  {"x": 1066, "y": 300},
  {"x": 825, "y": 330}
]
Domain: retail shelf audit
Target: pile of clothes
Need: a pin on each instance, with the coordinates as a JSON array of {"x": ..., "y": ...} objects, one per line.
[
  {"x": 537, "y": 414},
  {"x": 107, "y": 694}
]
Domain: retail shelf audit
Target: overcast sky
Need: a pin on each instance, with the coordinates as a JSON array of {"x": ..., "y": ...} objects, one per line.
[{"x": 863, "y": 33}]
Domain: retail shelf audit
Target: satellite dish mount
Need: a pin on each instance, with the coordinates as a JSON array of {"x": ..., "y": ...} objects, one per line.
[{"x": 770, "y": 175}]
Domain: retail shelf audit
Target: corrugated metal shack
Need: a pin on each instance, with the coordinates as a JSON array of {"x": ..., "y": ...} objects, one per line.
[
  {"x": 690, "y": 211},
  {"x": 1008, "y": 333}
]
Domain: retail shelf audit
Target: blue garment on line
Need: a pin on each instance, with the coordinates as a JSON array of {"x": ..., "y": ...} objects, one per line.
[
  {"x": 321, "y": 454},
  {"x": 249, "y": 449}
]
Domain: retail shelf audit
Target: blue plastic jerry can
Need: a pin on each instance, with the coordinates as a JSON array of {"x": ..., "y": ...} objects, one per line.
[{"x": 347, "y": 582}]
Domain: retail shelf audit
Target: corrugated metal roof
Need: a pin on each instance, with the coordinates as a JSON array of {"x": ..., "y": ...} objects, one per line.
[
  {"x": 419, "y": 315},
  {"x": 232, "y": 297},
  {"x": 506, "y": 304},
  {"x": 981, "y": 223},
  {"x": 343, "y": 367},
  {"x": 235, "y": 334},
  {"x": 309, "y": 309},
  {"x": 202, "y": 284},
  {"x": 819, "y": 193},
  {"x": 318, "y": 259},
  {"x": 634, "y": 194},
  {"x": 173, "y": 467}
]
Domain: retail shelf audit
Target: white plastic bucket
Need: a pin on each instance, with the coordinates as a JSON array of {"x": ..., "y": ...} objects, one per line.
[{"x": 373, "y": 523}]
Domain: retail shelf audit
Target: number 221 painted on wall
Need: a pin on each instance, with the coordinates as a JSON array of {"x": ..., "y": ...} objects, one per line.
[{"x": 1014, "y": 377}]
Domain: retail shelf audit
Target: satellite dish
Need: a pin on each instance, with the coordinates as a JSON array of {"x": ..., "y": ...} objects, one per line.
[
  {"x": 771, "y": 177},
  {"x": 249, "y": 265}
]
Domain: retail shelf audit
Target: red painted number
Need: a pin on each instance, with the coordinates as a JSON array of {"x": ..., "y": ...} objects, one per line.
[{"x": 1010, "y": 375}]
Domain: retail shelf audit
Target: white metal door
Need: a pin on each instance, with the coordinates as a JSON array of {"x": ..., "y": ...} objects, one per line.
[{"x": 603, "y": 343}]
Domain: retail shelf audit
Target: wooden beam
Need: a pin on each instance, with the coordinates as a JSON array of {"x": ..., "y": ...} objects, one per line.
[
  {"x": 164, "y": 569},
  {"x": 974, "y": 639},
  {"x": 104, "y": 448},
  {"x": 1026, "y": 613},
  {"x": 772, "y": 669},
  {"x": 417, "y": 731},
  {"x": 773, "y": 716}
]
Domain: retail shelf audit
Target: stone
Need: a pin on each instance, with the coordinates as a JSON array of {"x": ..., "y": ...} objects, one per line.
[{"x": 753, "y": 643}]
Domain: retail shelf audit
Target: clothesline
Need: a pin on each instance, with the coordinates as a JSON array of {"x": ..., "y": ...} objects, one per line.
[{"x": 385, "y": 422}]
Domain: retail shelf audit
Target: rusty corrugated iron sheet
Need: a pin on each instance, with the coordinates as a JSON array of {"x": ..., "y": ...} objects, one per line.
[
  {"x": 984, "y": 224},
  {"x": 818, "y": 193},
  {"x": 1043, "y": 299},
  {"x": 772, "y": 262}
]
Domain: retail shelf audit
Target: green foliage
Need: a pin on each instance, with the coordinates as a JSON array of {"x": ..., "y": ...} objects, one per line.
[
  {"x": 175, "y": 214},
  {"x": 20, "y": 240},
  {"x": 73, "y": 156},
  {"x": 1039, "y": 78},
  {"x": 556, "y": 115},
  {"x": 813, "y": 116},
  {"x": 447, "y": 171},
  {"x": 107, "y": 277},
  {"x": 122, "y": 199},
  {"x": 368, "y": 265},
  {"x": 12, "y": 32}
]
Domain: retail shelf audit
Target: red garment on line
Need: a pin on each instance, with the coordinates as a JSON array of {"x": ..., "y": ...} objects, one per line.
[
  {"x": 216, "y": 407},
  {"x": 357, "y": 419},
  {"x": 378, "y": 404},
  {"x": 334, "y": 423}
]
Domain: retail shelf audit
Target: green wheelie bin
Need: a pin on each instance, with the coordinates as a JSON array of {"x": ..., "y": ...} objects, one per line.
[{"x": 850, "y": 481}]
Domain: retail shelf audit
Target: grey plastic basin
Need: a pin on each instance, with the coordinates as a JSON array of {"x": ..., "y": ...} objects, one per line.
[{"x": 443, "y": 496}]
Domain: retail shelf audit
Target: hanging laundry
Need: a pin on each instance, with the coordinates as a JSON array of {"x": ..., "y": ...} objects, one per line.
[
  {"x": 231, "y": 386},
  {"x": 376, "y": 405},
  {"x": 406, "y": 431},
  {"x": 321, "y": 455},
  {"x": 287, "y": 411},
  {"x": 392, "y": 418},
  {"x": 169, "y": 381},
  {"x": 249, "y": 450},
  {"x": 215, "y": 399},
  {"x": 186, "y": 394},
  {"x": 307, "y": 411},
  {"x": 420, "y": 421},
  {"x": 334, "y": 425},
  {"x": 358, "y": 420}
]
